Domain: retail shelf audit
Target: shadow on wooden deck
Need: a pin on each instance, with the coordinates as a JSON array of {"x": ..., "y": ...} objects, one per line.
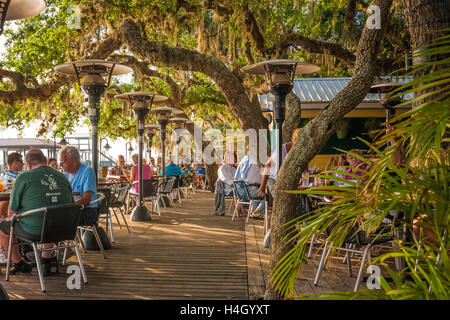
[{"x": 187, "y": 253}]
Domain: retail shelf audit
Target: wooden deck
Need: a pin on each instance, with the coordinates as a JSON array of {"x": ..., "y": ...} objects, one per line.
[{"x": 187, "y": 253}]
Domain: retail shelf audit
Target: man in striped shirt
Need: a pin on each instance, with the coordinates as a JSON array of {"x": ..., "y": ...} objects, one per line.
[{"x": 15, "y": 165}]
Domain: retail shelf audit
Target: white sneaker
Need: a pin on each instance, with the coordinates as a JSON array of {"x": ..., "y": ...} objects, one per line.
[{"x": 3, "y": 257}]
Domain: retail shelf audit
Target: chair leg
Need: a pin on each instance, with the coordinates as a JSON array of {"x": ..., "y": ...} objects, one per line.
[
  {"x": 65, "y": 253},
  {"x": 358, "y": 280},
  {"x": 39, "y": 266},
  {"x": 81, "y": 241},
  {"x": 321, "y": 264},
  {"x": 326, "y": 258},
  {"x": 8, "y": 263},
  {"x": 157, "y": 207},
  {"x": 117, "y": 219},
  {"x": 179, "y": 195},
  {"x": 172, "y": 203},
  {"x": 99, "y": 243},
  {"x": 111, "y": 231},
  {"x": 124, "y": 219},
  {"x": 249, "y": 212},
  {"x": 347, "y": 253},
  {"x": 77, "y": 252},
  {"x": 349, "y": 265},
  {"x": 311, "y": 245},
  {"x": 235, "y": 210},
  {"x": 231, "y": 206},
  {"x": 266, "y": 217}
]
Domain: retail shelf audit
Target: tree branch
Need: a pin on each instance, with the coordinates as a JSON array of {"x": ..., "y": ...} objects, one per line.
[
  {"x": 316, "y": 46},
  {"x": 228, "y": 83},
  {"x": 314, "y": 136}
]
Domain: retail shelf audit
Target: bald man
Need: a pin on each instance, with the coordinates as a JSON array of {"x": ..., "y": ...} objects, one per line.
[
  {"x": 40, "y": 186},
  {"x": 120, "y": 171}
]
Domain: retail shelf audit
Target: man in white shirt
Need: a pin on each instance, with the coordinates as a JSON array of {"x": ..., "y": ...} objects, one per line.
[
  {"x": 249, "y": 171},
  {"x": 224, "y": 184}
]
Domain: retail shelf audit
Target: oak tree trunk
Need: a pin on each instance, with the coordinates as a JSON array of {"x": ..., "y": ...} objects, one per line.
[
  {"x": 293, "y": 116},
  {"x": 314, "y": 136},
  {"x": 425, "y": 17}
]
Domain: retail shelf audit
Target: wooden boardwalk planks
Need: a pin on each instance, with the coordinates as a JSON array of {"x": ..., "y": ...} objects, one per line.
[
  {"x": 333, "y": 279},
  {"x": 187, "y": 253}
]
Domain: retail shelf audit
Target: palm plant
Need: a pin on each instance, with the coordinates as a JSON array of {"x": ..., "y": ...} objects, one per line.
[{"x": 418, "y": 188}]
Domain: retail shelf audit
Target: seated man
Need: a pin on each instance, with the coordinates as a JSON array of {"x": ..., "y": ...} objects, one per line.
[
  {"x": 120, "y": 171},
  {"x": 171, "y": 169},
  {"x": 15, "y": 165},
  {"x": 248, "y": 170},
  {"x": 200, "y": 173},
  {"x": 83, "y": 182},
  {"x": 39, "y": 187},
  {"x": 224, "y": 183}
]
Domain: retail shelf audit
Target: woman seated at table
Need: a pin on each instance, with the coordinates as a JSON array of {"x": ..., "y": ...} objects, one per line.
[
  {"x": 134, "y": 174},
  {"x": 356, "y": 165}
]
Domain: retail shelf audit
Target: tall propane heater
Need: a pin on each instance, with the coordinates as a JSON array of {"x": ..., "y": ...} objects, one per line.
[{"x": 141, "y": 102}]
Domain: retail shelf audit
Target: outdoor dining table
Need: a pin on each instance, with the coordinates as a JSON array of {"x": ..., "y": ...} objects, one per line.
[{"x": 4, "y": 196}]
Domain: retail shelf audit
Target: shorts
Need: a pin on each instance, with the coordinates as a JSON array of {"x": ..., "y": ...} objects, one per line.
[
  {"x": 89, "y": 217},
  {"x": 5, "y": 227}
]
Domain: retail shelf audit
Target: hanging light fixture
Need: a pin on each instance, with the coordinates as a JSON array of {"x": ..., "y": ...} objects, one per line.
[{"x": 63, "y": 142}]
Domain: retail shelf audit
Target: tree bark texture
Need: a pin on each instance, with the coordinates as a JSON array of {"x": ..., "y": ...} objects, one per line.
[
  {"x": 158, "y": 54},
  {"x": 314, "y": 136},
  {"x": 293, "y": 116},
  {"x": 424, "y": 18}
]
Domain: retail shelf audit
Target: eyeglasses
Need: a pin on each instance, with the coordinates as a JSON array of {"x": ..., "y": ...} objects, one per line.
[{"x": 21, "y": 161}]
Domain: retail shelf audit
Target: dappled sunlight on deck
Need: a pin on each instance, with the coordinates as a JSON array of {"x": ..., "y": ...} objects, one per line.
[{"x": 186, "y": 253}]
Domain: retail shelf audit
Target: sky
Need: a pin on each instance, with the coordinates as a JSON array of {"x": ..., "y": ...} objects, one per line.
[{"x": 118, "y": 146}]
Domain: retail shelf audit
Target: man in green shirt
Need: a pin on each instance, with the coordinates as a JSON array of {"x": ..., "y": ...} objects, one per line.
[{"x": 40, "y": 186}]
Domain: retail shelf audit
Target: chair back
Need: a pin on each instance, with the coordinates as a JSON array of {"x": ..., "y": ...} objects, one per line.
[
  {"x": 183, "y": 181},
  {"x": 150, "y": 188},
  {"x": 240, "y": 190},
  {"x": 103, "y": 207},
  {"x": 122, "y": 194},
  {"x": 60, "y": 222},
  {"x": 166, "y": 185},
  {"x": 176, "y": 182}
]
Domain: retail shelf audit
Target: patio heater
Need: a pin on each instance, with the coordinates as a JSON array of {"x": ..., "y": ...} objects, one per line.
[
  {"x": 279, "y": 76},
  {"x": 19, "y": 9},
  {"x": 140, "y": 102},
  {"x": 150, "y": 131},
  {"x": 162, "y": 116},
  {"x": 94, "y": 76}
]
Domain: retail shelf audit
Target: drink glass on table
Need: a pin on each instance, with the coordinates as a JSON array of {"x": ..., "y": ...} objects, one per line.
[{"x": 2, "y": 184}]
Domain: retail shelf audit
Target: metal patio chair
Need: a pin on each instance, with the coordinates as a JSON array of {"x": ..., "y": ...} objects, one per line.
[{"x": 60, "y": 223}]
